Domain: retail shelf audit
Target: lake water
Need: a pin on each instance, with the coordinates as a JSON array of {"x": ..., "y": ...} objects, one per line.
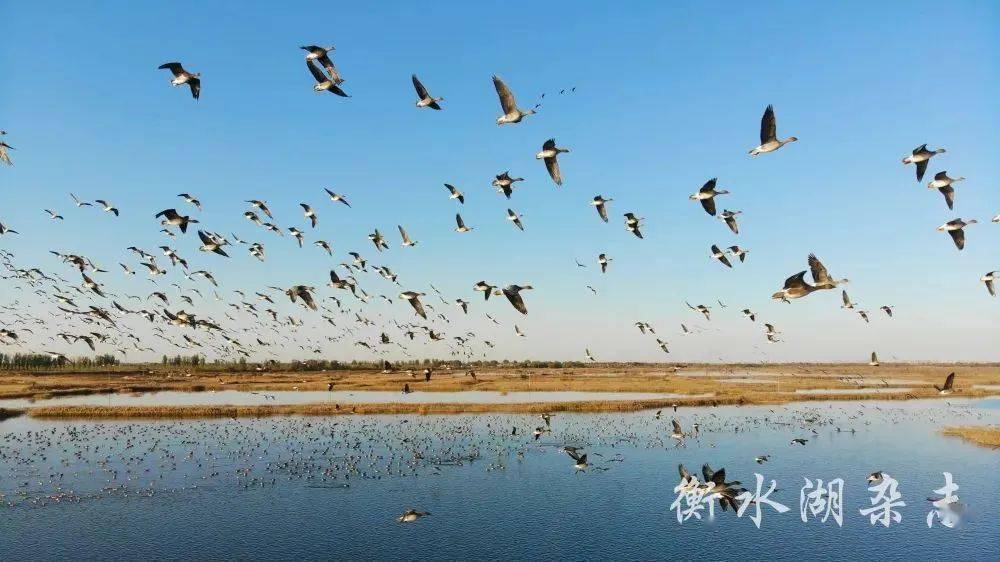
[
  {"x": 272, "y": 397},
  {"x": 293, "y": 488}
]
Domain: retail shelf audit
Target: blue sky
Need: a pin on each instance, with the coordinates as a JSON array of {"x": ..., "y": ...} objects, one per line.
[{"x": 668, "y": 95}]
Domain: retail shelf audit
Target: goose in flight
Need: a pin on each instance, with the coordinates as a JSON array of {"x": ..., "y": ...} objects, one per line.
[
  {"x": 663, "y": 345},
  {"x": 864, "y": 316},
  {"x": 79, "y": 203},
  {"x": 211, "y": 244},
  {"x": 874, "y": 360},
  {"x": 107, "y": 207},
  {"x": 379, "y": 240},
  {"x": 550, "y": 154},
  {"x": 461, "y": 224},
  {"x": 295, "y": 232},
  {"x": 323, "y": 83},
  {"x": 325, "y": 245},
  {"x": 4, "y": 147},
  {"x": 455, "y": 193},
  {"x": 411, "y": 515},
  {"x": 729, "y": 217},
  {"x": 847, "y": 300},
  {"x": 515, "y": 218},
  {"x": 5, "y": 230},
  {"x": 309, "y": 213},
  {"x": 702, "y": 309},
  {"x": 173, "y": 218},
  {"x": 54, "y": 215},
  {"x": 949, "y": 383},
  {"x": 632, "y": 224},
  {"x": 821, "y": 277},
  {"x": 920, "y": 157},
  {"x": 322, "y": 56},
  {"x": 505, "y": 184},
  {"x": 600, "y": 204},
  {"x": 795, "y": 287},
  {"x": 581, "y": 460},
  {"x": 190, "y": 199},
  {"x": 182, "y": 77},
  {"x": 590, "y": 356},
  {"x": 886, "y": 309},
  {"x": 769, "y": 134},
  {"x": 513, "y": 294},
  {"x": 303, "y": 292},
  {"x": 414, "y": 299},
  {"x": 740, "y": 253},
  {"x": 750, "y": 314},
  {"x": 337, "y": 283},
  {"x": 485, "y": 288},
  {"x": 945, "y": 185},
  {"x": 956, "y": 228},
  {"x": 407, "y": 243},
  {"x": 424, "y": 98},
  {"x": 603, "y": 260},
  {"x": 335, "y": 197},
  {"x": 511, "y": 113},
  {"x": 721, "y": 256},
  {"x": 262, "y": 205},
  {"x": 706, "y": 195},
  {"x": 518, "y": 332},
  {"x": 988, "y": 279},
  {"x": 677, "y": 434}
]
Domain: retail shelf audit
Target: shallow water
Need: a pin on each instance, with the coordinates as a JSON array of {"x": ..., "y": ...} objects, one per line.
[
  {"x": 849, "y": 390},
  {"x": 321, "y": 488},
  {"x": 272, "y": 397}
]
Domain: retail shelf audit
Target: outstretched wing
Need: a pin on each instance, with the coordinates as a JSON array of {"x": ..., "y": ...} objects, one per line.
[
  {"x": 174, "y": 67},
  {"x": 819, "y": 273},
  {"x": 506, "y": 96},
  {"x": 552, "y": 165},
  {"x": 949, "y": 195},
  {"x": 768, "y": 126},
  {"x": 959, "y": 237},
  {"x": 419, "y": 87},
  {"x": 316, "y": 72},
  {"x": 949, "y": 382}
]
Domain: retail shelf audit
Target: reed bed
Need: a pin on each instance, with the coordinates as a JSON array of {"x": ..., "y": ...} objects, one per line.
[{"x": 984, "y": 435}]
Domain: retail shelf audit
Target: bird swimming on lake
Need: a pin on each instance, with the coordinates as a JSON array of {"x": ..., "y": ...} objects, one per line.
[
  {"x": 511, "y": 113},
  {"x": 411, "y": 515},
  {"x": 920, "y": 157},
  {"x": 424, "y": 99},
  {"x": 945, "y": 185},
  {"x": 769, "y": 134},
  {"x": 550, "y": 153},
  {"x": 182, "y": 77},
  {"x": 798, "y": 441},
  {"x": 324, "y": 83},
  {"x": 706, "y": 195},
  {"x": 600, "y": 204},
  {"x": 956, "y": 228},
  {"x": 875, "y": 477},
  {"x": 761, "y": 459}
]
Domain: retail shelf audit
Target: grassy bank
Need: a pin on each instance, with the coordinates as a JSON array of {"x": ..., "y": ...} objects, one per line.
[{"x": 985, "y": 435}]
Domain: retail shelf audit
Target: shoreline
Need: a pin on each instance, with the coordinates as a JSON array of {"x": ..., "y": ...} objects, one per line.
[
  {"x": 982, "y": 435},
  {"x": 437, "y": 408}
]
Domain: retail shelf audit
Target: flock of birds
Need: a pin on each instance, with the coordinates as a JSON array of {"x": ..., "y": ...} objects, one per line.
[
  {"x": 91, "y": 314},
  {"x": 50, "y": 464}
]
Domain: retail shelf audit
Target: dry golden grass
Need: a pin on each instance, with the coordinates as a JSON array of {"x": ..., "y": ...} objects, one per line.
[
  {"x": 686, "y": 380},
  {"x": 985, "y": 435}
]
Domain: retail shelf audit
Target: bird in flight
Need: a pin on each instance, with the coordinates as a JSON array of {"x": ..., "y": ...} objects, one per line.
[
  {"x": 511, "y": 113},
  {"x": 921, "y": 156},
  {"x": 769, "y": 134},
  {"x": 706, "y": 195},
  {"x": 182, "y": 77},
  {"x": 424, "y": 99},
  {"x": 550, "y": 153}
]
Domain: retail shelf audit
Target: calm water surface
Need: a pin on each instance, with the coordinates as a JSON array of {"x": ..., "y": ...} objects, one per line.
[{"x": 321, "y": 488}]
